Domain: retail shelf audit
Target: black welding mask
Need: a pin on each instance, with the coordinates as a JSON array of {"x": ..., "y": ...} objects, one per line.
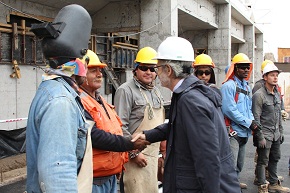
[{"x": 67, "y": 37}]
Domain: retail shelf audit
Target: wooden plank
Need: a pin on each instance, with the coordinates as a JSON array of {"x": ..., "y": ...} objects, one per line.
[
  {"x": 15, "y": 36},
  {"x": 18, "y": 27},
  {"x": 31, "y": 16},
  {"x": 124, "y": 47},
  {"x": 126, "y": 44}
]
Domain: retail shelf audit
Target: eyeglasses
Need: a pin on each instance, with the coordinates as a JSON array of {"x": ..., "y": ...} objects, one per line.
[
  {"x": 243, "y": 67},
  {"x": 156, "y": 68},
  {"x": 201, "y": 72},
  {"x": 145, "y": 68}
]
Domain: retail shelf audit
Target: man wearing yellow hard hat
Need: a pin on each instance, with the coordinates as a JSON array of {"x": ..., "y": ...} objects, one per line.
[
  {"x": 237, "y": 107},
  {"x": 109, "y": 145},
  {"x": 140, "y": 106}
]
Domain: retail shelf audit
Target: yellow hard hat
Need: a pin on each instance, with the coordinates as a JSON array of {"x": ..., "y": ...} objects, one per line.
[
  {"x": 203, "y": 60},
  {"x": 265, "y": 63},
  {"x": 146, "y": 55},
  {"x": 241, "y": 58},
  {"x": 94, "y": 60}
]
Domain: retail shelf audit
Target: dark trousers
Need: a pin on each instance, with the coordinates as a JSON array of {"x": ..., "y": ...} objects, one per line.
[{"x": 268, "y": 156}]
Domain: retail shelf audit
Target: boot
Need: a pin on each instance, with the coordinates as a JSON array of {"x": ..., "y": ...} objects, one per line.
[
  {"x": 263, "y": 188},
  {"x": 281, "y": 178},
  {"x": 278, "y": 188}
]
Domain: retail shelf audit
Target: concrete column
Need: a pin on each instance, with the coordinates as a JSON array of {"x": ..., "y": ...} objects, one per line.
[
  {"x": 159, "y": 19},
  {"x": 248, "y": 47},
  {"x": 219, "y": 42},
  {"x": 259, "y": 41}
]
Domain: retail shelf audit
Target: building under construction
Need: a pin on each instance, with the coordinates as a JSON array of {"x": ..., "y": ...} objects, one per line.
[{"x": 220, "y": 28}]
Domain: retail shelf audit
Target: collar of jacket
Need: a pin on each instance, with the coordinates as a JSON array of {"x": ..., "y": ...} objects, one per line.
[
  {"x": 194, "y": 82},
  {"x": 188, "y": 81}
]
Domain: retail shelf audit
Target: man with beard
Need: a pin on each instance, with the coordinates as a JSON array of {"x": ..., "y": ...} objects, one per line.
[
  {"x": 237, "y": 107},
  {"x": 198, "y": 154}
]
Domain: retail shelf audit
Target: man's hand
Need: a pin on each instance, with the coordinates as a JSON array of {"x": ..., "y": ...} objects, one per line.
[
  {"x": 138, "y": 136},
  {"x": 140, "y": 160},
  {"x": 262, "y": 143},
  {"x": 284, "y": 115},
  {"x": 281, "y": 138},
  {"x": 140, "y": 144},
  {"x": 259, "y": 139}
]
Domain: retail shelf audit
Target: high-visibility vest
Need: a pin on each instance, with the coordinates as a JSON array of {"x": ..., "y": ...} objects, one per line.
[{"x": 105, "y": 163}]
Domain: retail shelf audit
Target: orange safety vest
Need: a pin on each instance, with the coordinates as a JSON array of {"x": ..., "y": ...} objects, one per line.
[{"x": 105, "y": 163}]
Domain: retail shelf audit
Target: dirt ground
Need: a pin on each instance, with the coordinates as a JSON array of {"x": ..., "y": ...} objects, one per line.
[{"x": 12, "y": 169}]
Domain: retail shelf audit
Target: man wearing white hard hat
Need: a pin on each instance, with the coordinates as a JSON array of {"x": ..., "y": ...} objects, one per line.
[
  {"x": 198, "y": 154},
  {"x": 267, "y": 111}
]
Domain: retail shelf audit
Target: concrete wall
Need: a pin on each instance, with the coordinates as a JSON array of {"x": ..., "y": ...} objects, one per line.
[
  {"x": 16, "y": 94},
  {"x": 117, "y": 17}
]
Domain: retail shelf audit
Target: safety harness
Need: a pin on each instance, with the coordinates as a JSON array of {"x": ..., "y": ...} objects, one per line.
[{"x": 233, "y": 133}]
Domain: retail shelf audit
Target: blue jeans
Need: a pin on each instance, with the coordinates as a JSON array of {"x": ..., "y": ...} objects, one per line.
[
  {"x": 238, "y": 146},
  {"x": 110, "y": 186}
]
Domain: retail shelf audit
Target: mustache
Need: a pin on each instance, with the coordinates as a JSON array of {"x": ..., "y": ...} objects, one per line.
[{"x": 98, "y": 79}]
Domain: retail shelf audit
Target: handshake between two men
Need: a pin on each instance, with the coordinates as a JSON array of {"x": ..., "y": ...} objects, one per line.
[{"x": 139, "y": 141}]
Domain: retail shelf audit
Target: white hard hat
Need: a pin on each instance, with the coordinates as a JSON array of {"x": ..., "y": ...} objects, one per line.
[
  {"x": 270, "y": 68},
  {"x": 175, "y": 48}
]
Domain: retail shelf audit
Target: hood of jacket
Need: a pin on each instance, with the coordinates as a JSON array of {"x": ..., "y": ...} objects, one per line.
[{"x": 192, "y": 82}]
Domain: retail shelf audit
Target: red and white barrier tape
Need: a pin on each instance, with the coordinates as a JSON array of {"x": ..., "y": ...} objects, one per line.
[{"x": 12, "y": 120}]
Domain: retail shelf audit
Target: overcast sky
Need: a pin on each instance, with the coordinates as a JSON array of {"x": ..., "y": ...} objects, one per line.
[{"x": 273, "y": 17}]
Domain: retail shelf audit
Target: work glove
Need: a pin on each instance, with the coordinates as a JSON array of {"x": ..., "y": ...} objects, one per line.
[
  {"x": 255, "y": 125},
  {"x": 284, "y": 115},
  {"x": 281, "y": 138}
]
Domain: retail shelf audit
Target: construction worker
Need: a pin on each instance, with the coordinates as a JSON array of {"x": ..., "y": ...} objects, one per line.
[
  {"x": 259, "y": 84},
  {"x": 203, "y": 70},
  {"x": 267, "y": 111},
  {"x": 108, "y": 155},
  {"x": 198, "y": 155},
  {"x": 140, "y": 106},
  {"x": 236, "y": 106},
  {"x": 56, "y": 131}
]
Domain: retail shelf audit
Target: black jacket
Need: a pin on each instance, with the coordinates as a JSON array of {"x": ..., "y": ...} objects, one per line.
[
  {"x": 198, "y": 154},
  {"x": 107, "y": 141}
]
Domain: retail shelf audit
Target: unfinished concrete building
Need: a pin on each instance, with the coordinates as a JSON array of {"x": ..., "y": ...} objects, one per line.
[{"x": 220, "y": 28}]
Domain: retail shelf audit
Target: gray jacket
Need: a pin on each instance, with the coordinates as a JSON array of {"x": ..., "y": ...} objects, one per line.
[
  {"x": 130, "y": 104},
  {"x": 267, "y": 111}
]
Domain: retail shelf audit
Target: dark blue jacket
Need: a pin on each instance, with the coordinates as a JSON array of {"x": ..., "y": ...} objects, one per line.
[{"x": 198, "y": 154}]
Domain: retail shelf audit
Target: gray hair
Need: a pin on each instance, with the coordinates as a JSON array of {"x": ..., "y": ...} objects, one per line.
[{"x": 181, "y": 69}]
